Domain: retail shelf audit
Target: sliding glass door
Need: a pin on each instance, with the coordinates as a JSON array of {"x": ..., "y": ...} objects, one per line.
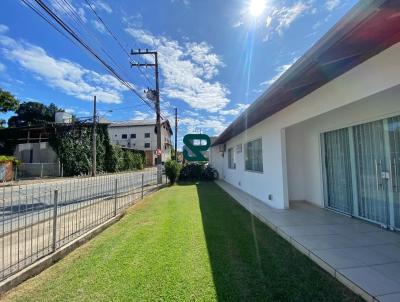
[
  {"x": 338, "y": 183},
  {"x": 370, "y": 163},
  {"x": 394, "y": 140},
  {"x": 361, "y": 171}
]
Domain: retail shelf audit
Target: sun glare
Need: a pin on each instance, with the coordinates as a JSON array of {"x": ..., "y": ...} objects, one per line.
[{"x": 256, "y": 7}]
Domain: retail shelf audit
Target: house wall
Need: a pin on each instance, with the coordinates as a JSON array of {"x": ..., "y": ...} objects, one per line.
[
  {"x": 35, "y": 153},
  {"x": 303, "y": 141},
  {"x": 374, "y": 75}
]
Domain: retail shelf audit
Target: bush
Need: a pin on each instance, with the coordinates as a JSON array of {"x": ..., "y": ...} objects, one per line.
[
  {"x": 193, "y": 171},
  {"x": 196, "y": 171},
  {"x": 172, "y": 169},
  {"x": 5, "y": 159},
  {"x": 210, "y": 174}
]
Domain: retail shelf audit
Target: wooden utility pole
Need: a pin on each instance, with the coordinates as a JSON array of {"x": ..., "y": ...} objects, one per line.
[
  {"x": 176, "y": 134},
  {"x": 94, "y": 138},
  {"x": 155, "y": 97}
]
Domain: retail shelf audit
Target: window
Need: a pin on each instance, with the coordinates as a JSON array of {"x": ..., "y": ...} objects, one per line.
[
  {"x": 133, "y": 135},
  {"x": 253, "y": 156},
  {"x": 231, "y": 159},
  {"x": 147, "y": 135},
  {"x": 147, "y": 145},
  {"x": 124, "y": 136}
]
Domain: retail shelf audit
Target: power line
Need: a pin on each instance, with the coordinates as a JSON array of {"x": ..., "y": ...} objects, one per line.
[
  {"x": 64, "y": 26},
  {"x": 113, "y": 36}
]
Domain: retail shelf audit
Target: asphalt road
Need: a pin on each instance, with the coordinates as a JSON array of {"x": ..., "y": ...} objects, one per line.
[{"x": 27, "y": 212}]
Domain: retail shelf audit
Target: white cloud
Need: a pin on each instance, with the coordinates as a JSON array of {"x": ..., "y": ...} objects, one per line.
[
  {"x": 139, "y": 115},
  {"x": 239, "y": 108},
  {"x": 64, "y": 75},
  {"x": 280, "y": 71},
  {"x": 2, "y": 67},
  {"x": 99, "y": 26},
  {"x": 3, "y": 29},
  {"x": 185, "y": 2},
  {"x": 211, "y": 125},
  {"x": 187, "y": 71},
  {"x": 332, "y": 4},
  {"x": 285, "y": 16},
  {"x": 67, "y": 8},
  {"x": 102, "y": 5},
  {"x": 237, "y": 24}
]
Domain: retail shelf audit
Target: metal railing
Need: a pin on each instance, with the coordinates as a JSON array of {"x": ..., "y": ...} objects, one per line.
[
  {"x": 35, "y": 170},
  {"x": 37, "y": 219}
]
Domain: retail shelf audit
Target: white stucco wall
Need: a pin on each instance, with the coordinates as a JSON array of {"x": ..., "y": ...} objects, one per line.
[
  {"x": 303, "y": 141},
  {"x": 375, "y": 75},
  {"x": 138, "y": 143}
]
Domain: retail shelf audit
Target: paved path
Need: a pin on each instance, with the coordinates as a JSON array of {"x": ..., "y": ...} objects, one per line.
[{"x": 361, "y": 255}]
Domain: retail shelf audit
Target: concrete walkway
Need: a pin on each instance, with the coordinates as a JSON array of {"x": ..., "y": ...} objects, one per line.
[{"x": 362, "y": 256}]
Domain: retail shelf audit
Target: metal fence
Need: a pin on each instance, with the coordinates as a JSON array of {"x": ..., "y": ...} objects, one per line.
[
  {"x": 37, "y": 219},
  {"x": 34, "y": 170}
]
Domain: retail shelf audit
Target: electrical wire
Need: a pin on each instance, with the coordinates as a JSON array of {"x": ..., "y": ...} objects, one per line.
[
  {"x": 114, "y": 37},
  {"x": 87, "y": 47}
]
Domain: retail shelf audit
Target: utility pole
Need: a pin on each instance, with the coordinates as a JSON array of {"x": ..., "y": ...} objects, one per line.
[
  {"x": 155, "y": 97},
  {"x": 94, "y": 138},
  {"x": 176, "y": 133}
]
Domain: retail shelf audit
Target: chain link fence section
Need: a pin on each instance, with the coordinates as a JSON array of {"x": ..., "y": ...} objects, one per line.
[
  {"x": 38, "y": 170},
  {"x": 37, "y": 219}
]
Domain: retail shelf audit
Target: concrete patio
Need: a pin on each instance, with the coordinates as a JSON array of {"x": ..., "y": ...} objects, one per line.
[{"x": 363, "y": 256}]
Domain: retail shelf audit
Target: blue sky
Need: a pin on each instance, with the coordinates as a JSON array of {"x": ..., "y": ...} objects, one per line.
[{"x": 216, "y": 57}]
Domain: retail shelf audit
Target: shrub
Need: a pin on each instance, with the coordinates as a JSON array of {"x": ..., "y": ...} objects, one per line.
[
  {"x": 5, "y": 159},
  {"x": 197, "y": 171},
  {"x": 210, "y": 174},
  {"x": 172, "y": 169},
  {"x": 193, "y": 171}
]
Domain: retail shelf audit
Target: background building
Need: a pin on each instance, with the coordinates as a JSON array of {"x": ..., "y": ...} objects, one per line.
[{"x": 141, "y": 135}]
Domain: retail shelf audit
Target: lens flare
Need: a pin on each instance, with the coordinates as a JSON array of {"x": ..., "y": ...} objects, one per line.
[{"x": 256, "y": 7}]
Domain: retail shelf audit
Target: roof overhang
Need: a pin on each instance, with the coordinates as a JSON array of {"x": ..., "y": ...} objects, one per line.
[{"x": 368, "y": 28}]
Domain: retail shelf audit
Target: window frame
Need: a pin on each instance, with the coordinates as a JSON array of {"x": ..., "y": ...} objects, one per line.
[
  {"x": 133, "y": 135},
  {"x": 149, "y": 145},
  {"x": 246, "y": 155},
  {"x": 147, "y": 135},
  {"x": 122, "y": 136}
]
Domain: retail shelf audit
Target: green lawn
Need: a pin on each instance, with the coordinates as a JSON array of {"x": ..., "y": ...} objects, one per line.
[{"x": 185, "y": 243}]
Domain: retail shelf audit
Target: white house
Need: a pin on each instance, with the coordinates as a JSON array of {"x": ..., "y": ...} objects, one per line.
[
  {"x": 328, "y": 130},
  {"x": 141, "y": 135}
]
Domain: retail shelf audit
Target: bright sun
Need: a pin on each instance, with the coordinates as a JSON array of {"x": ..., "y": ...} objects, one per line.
[{"x": 256, "y": 7}]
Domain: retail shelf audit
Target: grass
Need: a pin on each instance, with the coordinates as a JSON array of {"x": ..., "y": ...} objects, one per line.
[{"x": 185, "y": 243}]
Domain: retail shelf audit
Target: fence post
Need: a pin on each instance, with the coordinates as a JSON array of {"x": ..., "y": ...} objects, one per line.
[
  {"x": 142, "y": 185},
  {"x": 41, "y": 170},
  {"x": 62, "y": 170},
  {"x": 115, "y": 197},
  {"x": 55, "y": 220}
]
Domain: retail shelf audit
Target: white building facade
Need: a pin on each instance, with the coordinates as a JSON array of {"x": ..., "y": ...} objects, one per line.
[
  {"x": 328, "y": 131},
  {"x": 141, "y": 135}
]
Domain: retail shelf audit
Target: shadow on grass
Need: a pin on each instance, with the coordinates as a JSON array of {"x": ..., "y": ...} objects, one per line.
[{"x": 250, "y": 262}]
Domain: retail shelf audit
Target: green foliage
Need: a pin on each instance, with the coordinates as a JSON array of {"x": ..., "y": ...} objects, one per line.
[
  {"x": 6, "y": 159},
  {"x": 198, "y": 171},
  {"x": 33, "y": 113},
  {"x": 8, "y": 102},
  {"x": 73, "y": 148},
  {"x": 192, "y": 171},
  {"x": 172, "y": 169}
]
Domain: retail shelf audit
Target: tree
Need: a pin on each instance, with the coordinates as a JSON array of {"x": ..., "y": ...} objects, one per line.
[
  {"x": 8, "y": 102},
  {"x": 33, "y": 113}
]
